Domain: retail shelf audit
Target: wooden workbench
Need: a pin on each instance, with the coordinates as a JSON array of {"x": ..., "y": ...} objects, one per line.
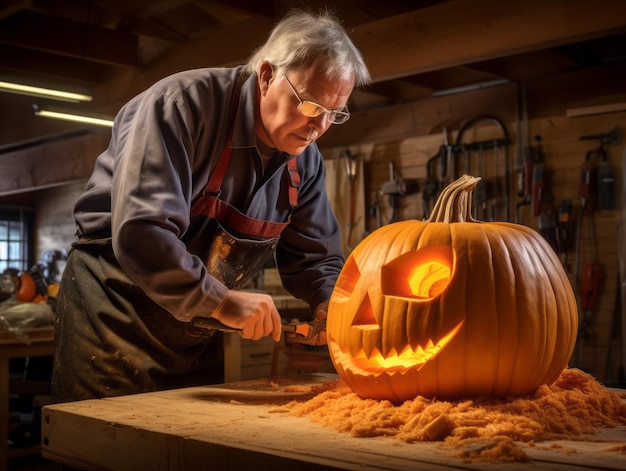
[
  {"x": 41, "y": 343},
  {"x": 237, "y": 426}
]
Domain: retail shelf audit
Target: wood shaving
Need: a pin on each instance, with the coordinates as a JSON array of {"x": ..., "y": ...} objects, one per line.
[
  {"x": 618, "y": 449},
  {"x": 572, "y": 408}
]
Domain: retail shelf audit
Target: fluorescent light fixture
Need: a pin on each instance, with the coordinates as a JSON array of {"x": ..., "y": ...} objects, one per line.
[
  {"x": 73, "y": 117},
  {"x": 43, "y": 92}
]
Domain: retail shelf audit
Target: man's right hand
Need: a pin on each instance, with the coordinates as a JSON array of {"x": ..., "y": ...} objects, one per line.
[{"x": 254, "y": 313}]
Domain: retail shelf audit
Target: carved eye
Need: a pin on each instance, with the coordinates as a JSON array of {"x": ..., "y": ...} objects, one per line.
[
  {"x": 381, "y": 337},
  {"x": 422, "y": 274}
]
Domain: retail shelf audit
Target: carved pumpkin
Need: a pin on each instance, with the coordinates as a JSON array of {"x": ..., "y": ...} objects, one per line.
[{"x": 451, "y": 307}]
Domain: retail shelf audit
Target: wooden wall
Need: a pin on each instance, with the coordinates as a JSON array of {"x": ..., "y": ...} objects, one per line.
[
  {"x": 55, "y": 226},
  {"x": 564, "y": 153}
]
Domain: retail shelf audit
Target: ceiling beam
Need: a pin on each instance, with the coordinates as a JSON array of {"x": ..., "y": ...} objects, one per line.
[
  {"x": 50, "y": 163},
  {"x": 449, "y": 34},
  {"x": 253, "y": 7},
  {"x": 10, "y": 7},
  {"x": 242, "y": 39},
  {"x": 461, "y": 32},
  {"x": 49, "y": 70},
  {"x": 431, "y": 115},
  {"x": 69, "y": 38},
  {"x": 400, "y": 90}
]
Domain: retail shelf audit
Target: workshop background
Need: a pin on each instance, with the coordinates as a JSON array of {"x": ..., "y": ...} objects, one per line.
[{"x": 528, "y": 94}]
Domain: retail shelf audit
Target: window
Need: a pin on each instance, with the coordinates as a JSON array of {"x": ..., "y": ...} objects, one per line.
[{"x": 16, "y": 240}]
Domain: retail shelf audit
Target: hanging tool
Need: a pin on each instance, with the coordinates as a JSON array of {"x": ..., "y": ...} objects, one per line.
[
  {"x": 564, "y": 230},
  {"x": 606, "y": 184},
  {"x": 350, "y": 165},
  {"x": 525, "y": 158},
  {"x": 588, "y": 180},
  {"x": 374, "y": 209},
  {"x": 541, "y": 198},
  {"x": 621, "y": 256},
  {"x": 525, "y": 181},
  {"x": 491, "y": 188},
  {"x": 591, "y": 280},
  {"x": 547, "y": 224},
  {"x": 433, "y": 185},
  {"x": 588, "y": 201},
  {"x": 614, "y": 335},
  {"x": 588, "y": 277},
  {"x": 482, "y": 191},
  {"x": 537, "y": 179},
  {"x": 601, "y": 180},
  {"x": 397, "y": 187}
]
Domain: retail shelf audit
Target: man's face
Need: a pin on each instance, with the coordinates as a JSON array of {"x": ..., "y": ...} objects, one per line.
[{"x": 279, "y": 124}]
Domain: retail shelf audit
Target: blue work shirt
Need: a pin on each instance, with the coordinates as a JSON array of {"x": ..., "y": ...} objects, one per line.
[{"x": 165, "y": 143}]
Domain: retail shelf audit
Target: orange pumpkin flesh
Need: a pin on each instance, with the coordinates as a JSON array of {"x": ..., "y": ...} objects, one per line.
[{"x": 451, "y": 307}]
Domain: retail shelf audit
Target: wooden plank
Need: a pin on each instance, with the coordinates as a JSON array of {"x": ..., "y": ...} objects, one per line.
[
  {"x": 191, "y": 432},
  {"x": 596, "y": 109},
  {"x": 43, "y": 64},
  {"x": 237, "y": 427},
  {"x": 421, "y": 118},
  {"x": 394, "y": 47},
  {"x": 42, "y": 344},
  {"x": 31, "y": 29},
  {"x": 428, "y": 39},
  {"x": 50, "y": 164},
  {"x": 428, "y": 116},
  {"x": 35, "y": 336},
  {"x": 242, "y": 39}
]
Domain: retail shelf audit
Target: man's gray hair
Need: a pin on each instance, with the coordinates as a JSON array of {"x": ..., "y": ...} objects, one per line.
[{"x": 302, "y": 39}]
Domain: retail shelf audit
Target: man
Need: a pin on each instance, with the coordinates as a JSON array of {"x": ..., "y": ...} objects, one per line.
[{"x": 208, "y": 173}]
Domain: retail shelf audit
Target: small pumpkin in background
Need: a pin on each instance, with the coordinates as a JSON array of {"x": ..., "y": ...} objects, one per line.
[
  {"x": 451, "y": 307},
  {"x": 26, "y": 288}
]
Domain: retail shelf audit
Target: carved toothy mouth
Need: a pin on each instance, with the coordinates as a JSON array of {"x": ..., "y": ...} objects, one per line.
[{"x": 407, "y": 359}]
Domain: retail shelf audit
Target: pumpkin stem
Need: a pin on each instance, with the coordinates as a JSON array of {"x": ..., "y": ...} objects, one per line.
[{"x": 455, "y": 201}]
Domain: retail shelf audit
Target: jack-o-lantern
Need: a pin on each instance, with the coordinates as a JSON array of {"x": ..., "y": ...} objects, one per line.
[{"x": 451, "y": 307}]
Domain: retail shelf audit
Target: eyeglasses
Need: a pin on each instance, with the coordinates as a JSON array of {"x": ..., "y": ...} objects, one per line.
[{"x": 310, "y": 109}]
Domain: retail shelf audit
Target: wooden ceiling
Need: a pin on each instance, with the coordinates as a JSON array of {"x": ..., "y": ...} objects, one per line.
[{"x": 115, "y": 48}]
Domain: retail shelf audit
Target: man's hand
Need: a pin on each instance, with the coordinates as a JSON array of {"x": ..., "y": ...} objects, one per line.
[{"x": 254, "y": 313}]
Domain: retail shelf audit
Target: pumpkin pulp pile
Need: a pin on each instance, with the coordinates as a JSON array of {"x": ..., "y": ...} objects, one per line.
[{"x": 484, "y": 429}]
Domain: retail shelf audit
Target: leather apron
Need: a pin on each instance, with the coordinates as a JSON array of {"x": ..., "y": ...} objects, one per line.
[
  {"x": 233, "y": 246},
  {"x": 111, "y": 339}
]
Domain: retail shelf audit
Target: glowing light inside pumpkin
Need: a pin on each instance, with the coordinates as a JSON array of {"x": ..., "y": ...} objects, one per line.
[
  {"x": 408, "y": 359},
  {"x": 421, "y": 274},
  {"x": 429, "y": 279}
]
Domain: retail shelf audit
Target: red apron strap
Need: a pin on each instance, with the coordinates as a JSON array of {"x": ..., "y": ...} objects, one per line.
[
  {"x": 230, "y": 217},
  {"x": 294, "y": 182},
  {"x": 215, "y": 180},
  {"x": 217, "y": 176}
]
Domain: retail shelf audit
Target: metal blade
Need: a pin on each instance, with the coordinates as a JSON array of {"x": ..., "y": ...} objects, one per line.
[{"x": 303, "y": 329}]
